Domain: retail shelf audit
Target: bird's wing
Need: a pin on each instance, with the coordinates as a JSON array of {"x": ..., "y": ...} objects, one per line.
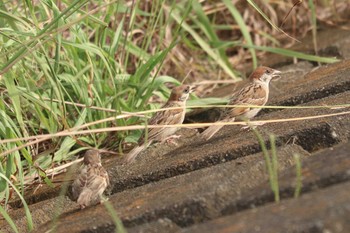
[
  {"x": 250, "y": 95},
  {"x": 97, "y": 178},
  {"x": 79, "y": 183},
  {"x": 167, "y": 117},
  {"x": 91, "y": 183}
]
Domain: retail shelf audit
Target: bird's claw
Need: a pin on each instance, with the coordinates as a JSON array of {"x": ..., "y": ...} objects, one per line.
[
  {"x": 246, "y": 128},
  {"x": 252, "y": 126},
  {"x": 170, "y": 139},
  {"x": 103, "y": 199}
]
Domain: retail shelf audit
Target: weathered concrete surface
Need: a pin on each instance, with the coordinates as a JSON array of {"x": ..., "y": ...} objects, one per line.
[
  {"x": 161, "y": 225},
  {"x": 41, "y": 212},
  {"x": 185, "y": 199},
  {"x": 324, "y": 168},
  {"x": 325, "y": 210},
  {"x": 319, "y": 83}
]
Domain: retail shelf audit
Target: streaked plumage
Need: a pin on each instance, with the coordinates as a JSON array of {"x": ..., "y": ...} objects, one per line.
[
  {"x": 178, "y": 98},
  {"x": 255, "y": 92},
  {"x": 91, "y": 182}
]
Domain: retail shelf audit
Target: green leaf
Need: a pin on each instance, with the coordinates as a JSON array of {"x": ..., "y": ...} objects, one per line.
[
  {"x": 206, "y": 101},
  {"x": 16, "y": 103},
  {"x": 68, "y": 142}
]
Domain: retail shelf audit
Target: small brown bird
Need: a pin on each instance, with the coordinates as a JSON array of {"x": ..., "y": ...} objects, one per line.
[
  {"x": 256, "y": 92},
  {"x": 92, "y": 181},
  {"x": 178, "y": 98}
]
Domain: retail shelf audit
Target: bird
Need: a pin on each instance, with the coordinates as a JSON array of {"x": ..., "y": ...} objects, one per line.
[
  {"x": 178, "y": 98},
  {"x": 256, "y": 92},
  {"x": 88, "y": 187}
]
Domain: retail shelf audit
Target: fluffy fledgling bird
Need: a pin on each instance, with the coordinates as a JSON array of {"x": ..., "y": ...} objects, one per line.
[
  {"x": 91, "y": 182},
  {"x": 256, "y": 92},
  {"x": 178, "y": 98}
]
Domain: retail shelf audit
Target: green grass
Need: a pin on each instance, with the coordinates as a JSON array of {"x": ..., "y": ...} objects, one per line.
[
  {"x": 81, "y": 64},
  {"x": 25, "y": 206},
  {"x": 298, "y": 183},
  {"x": 271, "y": 162}
]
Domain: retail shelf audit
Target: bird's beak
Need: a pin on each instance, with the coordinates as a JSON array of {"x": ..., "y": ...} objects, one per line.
[
  {"x": 276, "y": 73},
  {"x": 192, "y": 88}
]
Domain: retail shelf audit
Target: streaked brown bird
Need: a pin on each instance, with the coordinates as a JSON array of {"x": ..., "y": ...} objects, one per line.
[
  {"x": 178, "y": 98},
  {"x": 88, "y": 187},
  {"x": 256, "y": 92}
]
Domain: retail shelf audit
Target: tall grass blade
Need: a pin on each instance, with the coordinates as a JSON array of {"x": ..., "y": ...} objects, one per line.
[
  {"x": 274, "y": 167},
  {"x": 244, "y": 29},
  {"x": 8, "y": 219},
  {"x": 26, "y": 208},
  {"x": 299, "y": 184},
  {"x": 204, "y": 45},
  {"x": 283, "y": 52},
  {"x": 256, "y": 7},
  {"x": 119, "y": 227},
  {"x": 314, "y": 25}
]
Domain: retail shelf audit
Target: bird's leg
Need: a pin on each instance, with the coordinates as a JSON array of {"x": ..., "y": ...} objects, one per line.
[{"x": 170, "y": 139}]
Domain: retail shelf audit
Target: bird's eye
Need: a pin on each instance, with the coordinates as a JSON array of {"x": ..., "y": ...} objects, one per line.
[
  {"x": 268, "y": 71},
  {"x": 187, "y": 90}
]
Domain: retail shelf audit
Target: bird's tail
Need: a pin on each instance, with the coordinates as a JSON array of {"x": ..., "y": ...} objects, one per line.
[
  {"x": 134, "y": 152},
  {"x": 211, "y": 130},
  {"x": 85, "y": 198}
]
